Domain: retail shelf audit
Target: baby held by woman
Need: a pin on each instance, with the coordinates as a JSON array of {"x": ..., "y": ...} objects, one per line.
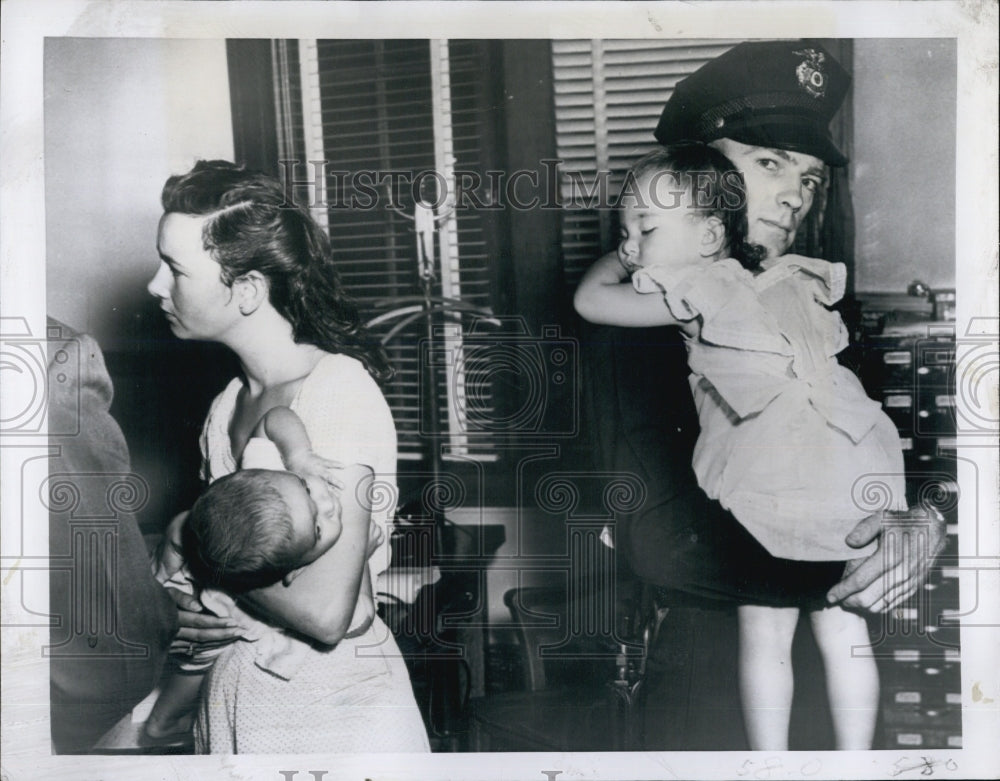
[
  {"x": 251, "y": 529},
  {"x": 789, "y": 442}
]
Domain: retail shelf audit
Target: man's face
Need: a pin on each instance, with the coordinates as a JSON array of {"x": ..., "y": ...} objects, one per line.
[{"x": 781, "y": 187}]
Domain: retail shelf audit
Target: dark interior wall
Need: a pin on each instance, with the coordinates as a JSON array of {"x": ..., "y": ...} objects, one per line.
[
  {"x": 903, "y": 165},
  {"x": 120, "y": 116}
]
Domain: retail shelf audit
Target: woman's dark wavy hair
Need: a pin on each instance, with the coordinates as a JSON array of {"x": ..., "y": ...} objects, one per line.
[
  {"x": 716, "y": 188},
  {"x": 253, "y": 227}
]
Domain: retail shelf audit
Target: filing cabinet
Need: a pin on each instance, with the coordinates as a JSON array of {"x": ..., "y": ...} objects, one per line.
[{"x": 907, "y": 363}]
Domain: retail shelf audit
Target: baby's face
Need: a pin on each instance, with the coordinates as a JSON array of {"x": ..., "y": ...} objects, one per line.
[
  {"x": 658, "y": 225},
  {"x": 312, "y": 510}
]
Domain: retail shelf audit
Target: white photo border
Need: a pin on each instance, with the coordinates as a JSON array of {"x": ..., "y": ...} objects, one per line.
[{"x": 26, "y": 24}]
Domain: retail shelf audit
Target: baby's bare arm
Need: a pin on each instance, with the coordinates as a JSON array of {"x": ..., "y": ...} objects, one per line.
[{"x": 286, "y": 430}]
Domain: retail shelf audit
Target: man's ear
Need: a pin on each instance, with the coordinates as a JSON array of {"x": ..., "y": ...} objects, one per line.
[
  {"x": 713, "y": 237},
  {"x": 251, "y": 291}
]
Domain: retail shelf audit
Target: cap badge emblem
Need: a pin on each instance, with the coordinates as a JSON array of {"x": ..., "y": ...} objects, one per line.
[{"x": 810, "y": 72}]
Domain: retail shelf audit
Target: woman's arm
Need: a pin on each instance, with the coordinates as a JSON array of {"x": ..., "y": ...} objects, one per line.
[
  {"x": 606, "y": 296},
  {"x": 364, "y": 612},
  {"x": 320, "y": 602}
]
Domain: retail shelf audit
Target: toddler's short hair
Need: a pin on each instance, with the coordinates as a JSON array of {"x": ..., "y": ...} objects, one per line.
[
  {"x": 716, "y": 189},
  {"x": 239, "y": 535}
]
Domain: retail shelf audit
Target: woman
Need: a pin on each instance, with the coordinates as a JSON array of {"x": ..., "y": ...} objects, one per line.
[{"x": 240, "y": 267}]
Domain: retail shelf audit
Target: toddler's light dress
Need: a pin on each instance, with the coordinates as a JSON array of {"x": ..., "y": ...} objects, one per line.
[{"x": 789, "y": 443}]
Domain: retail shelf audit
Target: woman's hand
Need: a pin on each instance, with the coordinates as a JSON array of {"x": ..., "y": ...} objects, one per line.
[
  {"x": 199, "y": 630},
  {"x": 909, "y": 541}
]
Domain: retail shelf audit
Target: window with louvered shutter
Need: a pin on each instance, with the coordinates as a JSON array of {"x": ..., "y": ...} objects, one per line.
[
  {"x": 368, "y": 108},
  {"x": 608, "y": 98}
]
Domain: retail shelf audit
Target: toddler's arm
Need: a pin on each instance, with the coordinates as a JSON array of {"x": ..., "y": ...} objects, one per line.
[{"x": 606, "y": 296}]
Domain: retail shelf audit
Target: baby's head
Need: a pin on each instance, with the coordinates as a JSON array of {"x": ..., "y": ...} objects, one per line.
[
  {"x": 250, "y": 529},
  {"x": 684, "y": 205}
]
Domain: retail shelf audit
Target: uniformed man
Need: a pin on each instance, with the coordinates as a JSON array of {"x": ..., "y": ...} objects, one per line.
[{"x": 767, "y": 106}]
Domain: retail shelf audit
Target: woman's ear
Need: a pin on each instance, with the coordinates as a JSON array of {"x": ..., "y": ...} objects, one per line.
[
  {"x": 251, "y": 291},
  {"x": 713, "y": 237}
]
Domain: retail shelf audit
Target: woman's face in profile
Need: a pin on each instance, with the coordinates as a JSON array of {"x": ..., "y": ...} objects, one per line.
[{"x": 188, "y": 283}]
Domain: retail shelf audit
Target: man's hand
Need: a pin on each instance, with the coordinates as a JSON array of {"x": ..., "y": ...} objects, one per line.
[
  {"x": 199, "y": 630},
  {"x": 908, "y": 543}
]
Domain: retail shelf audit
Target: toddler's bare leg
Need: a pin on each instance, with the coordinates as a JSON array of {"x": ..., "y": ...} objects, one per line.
[
  {"x": 851, "y": 681},
  {"x": 766, "y": 683}
]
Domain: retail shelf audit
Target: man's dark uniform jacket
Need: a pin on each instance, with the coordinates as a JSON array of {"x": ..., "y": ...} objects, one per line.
[
  {"x": 703, "y": 560},
  {"x": 113, "y": 621}
]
